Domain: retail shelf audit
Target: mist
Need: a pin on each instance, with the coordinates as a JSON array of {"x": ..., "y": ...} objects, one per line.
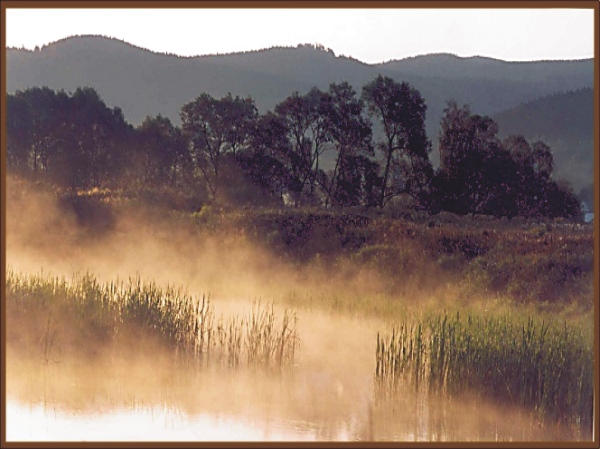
[{"x": 327, "y": 394}]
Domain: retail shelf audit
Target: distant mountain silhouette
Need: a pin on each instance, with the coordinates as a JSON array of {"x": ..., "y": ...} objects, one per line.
[
  {"x": 565, "y": 121},
  {"x": 145, "y": 83},
  {"x": 478, "y": 67}
]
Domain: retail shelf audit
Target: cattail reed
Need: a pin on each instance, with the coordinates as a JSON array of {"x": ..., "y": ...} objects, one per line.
[
  {"x": 546, "y": 367},
  {"x": 183, "y": 321}
]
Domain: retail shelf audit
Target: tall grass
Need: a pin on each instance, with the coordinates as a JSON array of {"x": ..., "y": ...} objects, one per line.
[
  {"x": 185, "y": 322},
  {"x": 547, "y": 367},
  {"x": 257, "y": 339}
]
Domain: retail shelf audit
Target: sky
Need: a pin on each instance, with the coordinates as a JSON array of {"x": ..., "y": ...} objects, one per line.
[{"x": 369, "y": 35}]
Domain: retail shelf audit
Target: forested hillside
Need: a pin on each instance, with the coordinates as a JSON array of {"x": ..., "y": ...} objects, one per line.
[
  {"x": 565, "y": 121},
  {"x": 143, "y": 83}
]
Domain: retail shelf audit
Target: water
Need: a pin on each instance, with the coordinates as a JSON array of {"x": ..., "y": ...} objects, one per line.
[
  {"x": 146, "y": 395},
  {"x": 51, "y": 422},
  {"x": 158, "y": 423}
]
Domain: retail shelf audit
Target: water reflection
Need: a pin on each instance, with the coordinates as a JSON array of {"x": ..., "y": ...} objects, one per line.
[
  {"x": 51, "y": 423},
  {"x": 143, "y": 394},
  {"x": 406, "y": 418}
]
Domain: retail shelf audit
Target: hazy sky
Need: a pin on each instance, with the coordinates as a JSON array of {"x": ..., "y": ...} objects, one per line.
[{"x": 370, "y": 35}]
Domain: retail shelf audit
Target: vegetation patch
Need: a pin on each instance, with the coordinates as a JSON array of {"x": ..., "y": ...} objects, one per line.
[
  {"x": 83, "y": 315},
  {"x": 545, "y": 366}
]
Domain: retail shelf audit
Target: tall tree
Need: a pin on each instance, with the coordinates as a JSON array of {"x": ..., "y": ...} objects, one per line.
[
  {"x": 308, "y": 135},
  {"x": 46, "y": 110},
  {"x": 350, "y": 133},
  {"x": 401, "y": 112},
  {"x": 75, "y": 140},
  {"x": 479, "y": 174},
  {"x": 526, "y": 184},
  {"x": 161, "y": 154},
  {"x": 469, "y": 148},
  {"x": 18, "y": 130},
  {"x": 97, "y": 137},
  {"x": 240, "y": 115},
  {"x": 215, "y": 128},
  {"x": 543, "y": 160},
  {"x": 266, "y": 159}
]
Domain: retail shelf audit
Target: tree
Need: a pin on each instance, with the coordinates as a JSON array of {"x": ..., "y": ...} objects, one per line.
[
  {"x": 18, "y": 130},
  {"x": 401, "y": 112},
  {"x": 543, "y": 160},
  {"x": 161, "y": 154},
  {"x": 559, "y": 200},
  {"x": 479, "y": 174},
  {"x": 215, "y": 128},
  {"x": 74, "y": 140},
  {"x": 308, "y": 134},
  {"x": 350, "y": 134},
  {"x": 46, "y": 113},
  {"x": 473, "y": 164},
  {"x": 265, "y": 160},
  {"x": 240, "y": 115},
  {"x": 526, "y": 185},
  {"x": 95, "y": 138},
  {"x": 539, "y": 194}
]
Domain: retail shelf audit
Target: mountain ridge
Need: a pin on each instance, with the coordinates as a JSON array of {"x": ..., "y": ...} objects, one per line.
[
  {"x": 284, "y": 47},
  {"x": 146, "y": 83},
  {"x": 564, "y": 121},
  {"x": 241, "y": 73}
]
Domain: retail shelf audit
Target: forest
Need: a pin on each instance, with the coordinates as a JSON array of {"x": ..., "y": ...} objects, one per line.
[{"x": 326, "y": 149}]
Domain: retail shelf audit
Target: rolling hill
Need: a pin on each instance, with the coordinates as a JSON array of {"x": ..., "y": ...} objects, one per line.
[
  {"x": 144, "y": 83},
  {"x": 565, "y": 121}
]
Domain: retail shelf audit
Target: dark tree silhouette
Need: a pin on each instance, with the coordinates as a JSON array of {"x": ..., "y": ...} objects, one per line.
[
  {"x": 401, "y": 112},
  {"x": 478, "y": 174},
  {"x": 215, "y": 128},
  {"x": 308, "y": 135},
  {"x": 350, "y": 134},
  {"x": 470, "y": 153},
  {"x": 18, "y": 130},
  {"x": 543, "y": 160},
  {"x": 161, "y": 156},
  {"x": 266, "y": 160},
  {"x": 46, "y": 114},
  {"x": 74, "y": 140},
  {"x": 99, "y": 138}
]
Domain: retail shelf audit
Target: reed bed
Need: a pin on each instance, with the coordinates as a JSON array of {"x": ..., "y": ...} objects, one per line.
[
  {"x": 183, "y": 321},
  {"x": 545, "y": 367}
]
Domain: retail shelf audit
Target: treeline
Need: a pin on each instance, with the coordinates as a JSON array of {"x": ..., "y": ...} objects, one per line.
[{"x": 315, "y": 149}]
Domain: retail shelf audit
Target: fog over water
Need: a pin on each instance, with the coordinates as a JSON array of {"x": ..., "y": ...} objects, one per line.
[{"x": 137, "y": 389}]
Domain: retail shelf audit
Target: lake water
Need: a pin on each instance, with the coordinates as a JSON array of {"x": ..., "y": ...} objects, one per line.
[
  {"x": 328, "y": 395},
  {"x": 137, "y": 423}
]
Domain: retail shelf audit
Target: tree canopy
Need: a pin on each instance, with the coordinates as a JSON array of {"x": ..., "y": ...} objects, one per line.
[
  {"x": 480, "y": 174},
  {"x": 319, "y": 148},
  {"x": 401, "y": 112}
]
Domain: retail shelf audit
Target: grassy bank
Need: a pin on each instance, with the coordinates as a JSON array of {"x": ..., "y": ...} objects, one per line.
[{"x": 543, "y": 262}]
